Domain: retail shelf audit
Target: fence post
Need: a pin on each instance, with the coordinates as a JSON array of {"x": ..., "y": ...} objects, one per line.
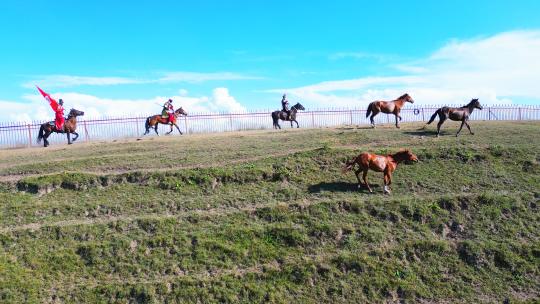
[
  {"x": 350, "y": 112},
  {"x": 185, "y": 124},
  {"x": 489, "y": 113},
  {"x": 312, "y": 120},
  {"x": 29, "y": 135},
  {"x": 137, "y": 123},
  {"x": 519, "y": 112},
  {"x": 85, "y": 131},
  {"x": 230, "y": 119},
  {"x": 423, "y": 118}
]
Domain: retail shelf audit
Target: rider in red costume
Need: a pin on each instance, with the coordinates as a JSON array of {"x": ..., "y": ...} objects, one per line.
[{"x": 58, "y": 109}]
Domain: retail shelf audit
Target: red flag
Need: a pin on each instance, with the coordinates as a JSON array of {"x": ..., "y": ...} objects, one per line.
[{"x": 52, "y": 102}]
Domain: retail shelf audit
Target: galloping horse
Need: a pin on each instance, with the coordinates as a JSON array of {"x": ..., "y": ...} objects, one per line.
[
  {"x": 277, "y": 115},
  {"x": 388, "y": 107},
  {"x": 378, "y": 163},
  {"x": 458, "y": 114},
  {"x": 70, "y": 125},
  {"x": 154, "y": 121}
]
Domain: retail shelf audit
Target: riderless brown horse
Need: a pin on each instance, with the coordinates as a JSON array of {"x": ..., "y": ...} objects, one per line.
[
  {"x": 154, "y": 121},
  {"x": 378, "y": 163},
  {"x": 277, "y": 115},
  {"x": 458, "y": 114},
  {"x": 70, "y": 125},
  {"x": 388, "y": 107}
]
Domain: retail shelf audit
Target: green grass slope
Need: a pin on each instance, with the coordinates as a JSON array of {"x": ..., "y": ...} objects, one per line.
[{"x": 269, "y": 217}]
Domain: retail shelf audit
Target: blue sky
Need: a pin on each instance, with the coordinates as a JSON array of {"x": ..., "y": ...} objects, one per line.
[{"x": 123, "y": 56}]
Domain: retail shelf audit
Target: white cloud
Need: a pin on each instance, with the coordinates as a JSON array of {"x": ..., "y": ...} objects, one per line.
[
  {"x": 64, "y": 81},
  {"x": 494, "y": 69},
  {"x": 36, "y": 108},
  {"x": 222, "y": 101}
]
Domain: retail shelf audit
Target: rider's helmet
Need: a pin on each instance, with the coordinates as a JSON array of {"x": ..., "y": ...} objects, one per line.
[
  {"x": 60, "y": 101},
  {"x": 170, "y": 100}
]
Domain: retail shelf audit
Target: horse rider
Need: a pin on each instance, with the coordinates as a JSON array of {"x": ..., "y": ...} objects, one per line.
[
  {"x": 59, "y": 119},
  {"x": 168, "y": 110},
  {"x": 285, "y": 106}
]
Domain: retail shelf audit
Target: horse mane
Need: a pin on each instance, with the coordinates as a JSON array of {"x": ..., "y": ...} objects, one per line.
[
  {"x": 470, "y": 102},
  {"x": 296, "y": 106},
  {"x": 70, "y": 114},
  {"x": 401, "y": 155},
  {"x": 403, "y": 96}
]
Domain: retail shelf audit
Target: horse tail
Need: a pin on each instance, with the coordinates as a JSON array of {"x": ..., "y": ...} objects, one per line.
[
  {"x": 349, "y": 165},
  {"x": 368, "y": 112},
  {"x": 147, "y": 123},
  {"x": 275, "y": 118},
  {"x": 41, "y": 134},
  {"x": 438, "y": 112}
]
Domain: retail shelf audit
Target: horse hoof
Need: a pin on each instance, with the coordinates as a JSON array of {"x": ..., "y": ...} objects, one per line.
[
  {"x": 70, "y": 143},
  {"x": 472, "y": 133}
]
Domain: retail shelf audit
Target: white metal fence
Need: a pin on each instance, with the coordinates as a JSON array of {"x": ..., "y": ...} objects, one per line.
[{"x": 25, "y": 134}]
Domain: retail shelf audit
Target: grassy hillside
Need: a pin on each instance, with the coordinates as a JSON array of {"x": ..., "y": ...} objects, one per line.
[{"x": 269, "y": 217}]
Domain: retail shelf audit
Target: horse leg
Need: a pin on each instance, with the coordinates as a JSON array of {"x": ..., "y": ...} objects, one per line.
[
  {"x": 155, "y": 129},
  {"x": 357, "y": 173},
  {"x": 364, "y": 177},
  {"x": 468, "y": 127},
  {"x": 386, "y": 182},
  {"x": 69, "y": 138},
  {"x": 291, "y": 124},
  {"x": 441, "y": 121},
  {"x": 297, "y": 126},
  {"x": 45, "y": 141},
  {"x": 460, "y": 127},
  {"x": 76, "y": 136},
  {"x": 177, "y": 128},
  {"x": 397, "y": 123},
  {"x": 371, "y": 119},
  {"x": 170, "y": 130}
]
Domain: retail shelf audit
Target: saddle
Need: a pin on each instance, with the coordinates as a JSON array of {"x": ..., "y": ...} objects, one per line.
[{"x": 53, "y": 126}]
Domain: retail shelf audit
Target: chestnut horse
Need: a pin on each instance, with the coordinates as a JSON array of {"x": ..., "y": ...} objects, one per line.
[
  {"x": 378, "y": 163},
  {"x": 458, "y": 114},
  {"x": 388, "y": 107},
  {"x": 70, "y": 125},
  {"x": 154, "y": 121}
]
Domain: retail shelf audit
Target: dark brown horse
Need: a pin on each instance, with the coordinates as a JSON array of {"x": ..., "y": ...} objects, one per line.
[
  {"x": 70, "y": 125},
  {"x": 378, "y": 163},
  {"x": 154, "y": 121},
  {"x": 458, "y": 114},
  {"x": 388, "y": 107},
  {"x": 277, "y": 115}
]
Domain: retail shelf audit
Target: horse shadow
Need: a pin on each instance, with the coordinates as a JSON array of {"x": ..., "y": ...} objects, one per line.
[
  {"x": 338, "y": 187},
  {"x": 421, "y": 132},
  {"x": 354, "y": 128}
]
